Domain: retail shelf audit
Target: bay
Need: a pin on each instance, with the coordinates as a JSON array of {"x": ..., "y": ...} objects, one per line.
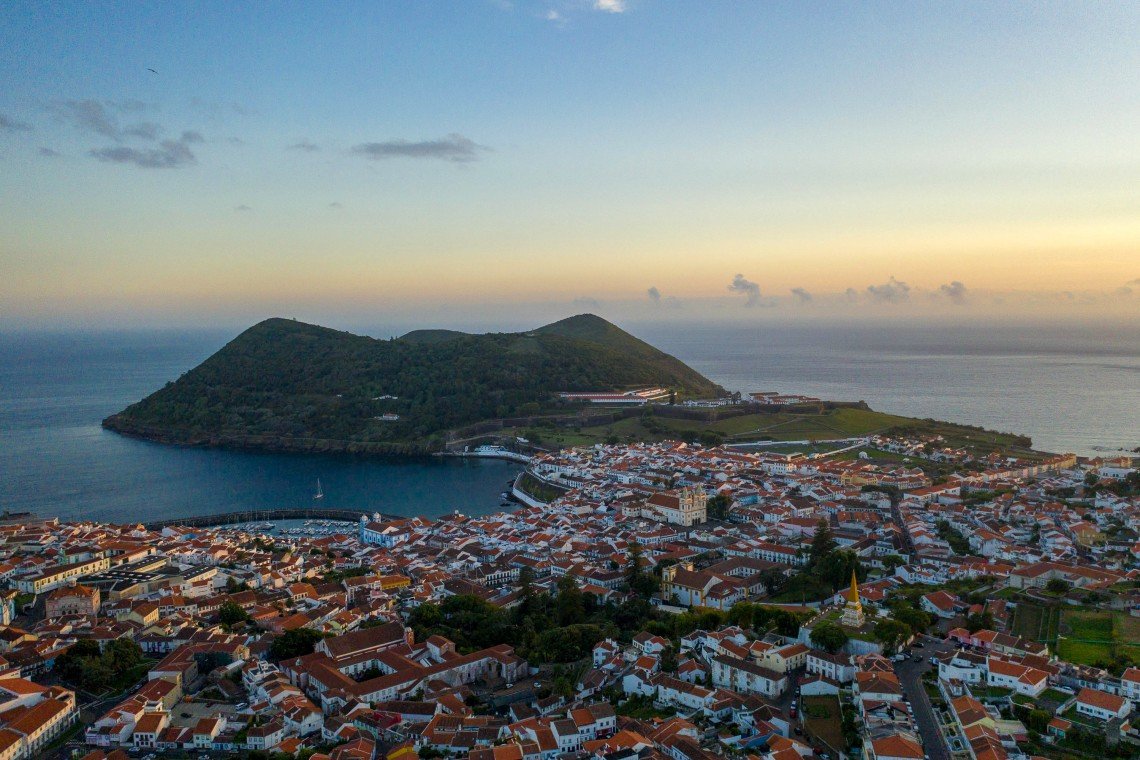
[{"x": 1072, "y": 388}]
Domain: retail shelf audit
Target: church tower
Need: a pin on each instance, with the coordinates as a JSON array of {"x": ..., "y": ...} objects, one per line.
[{"x": 853, "y": 611}]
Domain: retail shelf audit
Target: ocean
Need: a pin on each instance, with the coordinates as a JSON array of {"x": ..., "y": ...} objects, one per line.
[{"x": 1071, "y": 388}]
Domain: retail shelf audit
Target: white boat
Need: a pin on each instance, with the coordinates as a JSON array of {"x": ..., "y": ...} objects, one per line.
[{"x": 319, "y": 494}]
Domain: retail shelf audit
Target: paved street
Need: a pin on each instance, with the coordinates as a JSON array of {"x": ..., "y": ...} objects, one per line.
[{"x": 910, "y": 676}]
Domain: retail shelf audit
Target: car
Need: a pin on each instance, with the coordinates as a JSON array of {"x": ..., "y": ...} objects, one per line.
[
  {"x": 799, "y": 731},
  {"x": 918, "y": 658},
  {"x": 918, "y": 645}
]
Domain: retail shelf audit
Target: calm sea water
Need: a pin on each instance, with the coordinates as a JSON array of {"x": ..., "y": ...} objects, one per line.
[
  {"x": 1071, "y": 389},
  {"x": 55, "y": 459}
]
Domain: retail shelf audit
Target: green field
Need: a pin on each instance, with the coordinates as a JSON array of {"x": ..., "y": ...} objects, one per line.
[
  {"x": 1035, "y": 622},
  {"x": 779, "y": 426},
  {"x": 1099, "y": 637}
]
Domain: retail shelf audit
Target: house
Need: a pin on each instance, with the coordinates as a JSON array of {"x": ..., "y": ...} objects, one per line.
[
  {"x": 1102, "y": 705},
  {"x": 648, "y": 644},
  {"x": 940, "y": 604},
  {"x": 747, "y": 677},
  {"x": 206, "y": 730},
  {"x": 1011, "y": 675},
  {"x": 72, "y": 600},
  {"x": 1130, "y": 684},
  {"x": 27, "y": 729},
  {"x": 567, "y": 735},
  {"x": 148, "y": 729},
  {"x": 701, "y": 588},
  {"x": 266, "y": 736},
  {"x": 897, "y": 746},
  {"x": 783, "y": 659},
  {"x": 837, "y": 667}
]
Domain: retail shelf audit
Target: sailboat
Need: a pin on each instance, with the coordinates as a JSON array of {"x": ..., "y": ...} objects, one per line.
[{"x": 319, "y": 494}]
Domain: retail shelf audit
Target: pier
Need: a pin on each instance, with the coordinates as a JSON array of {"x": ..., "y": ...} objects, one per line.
[{"x": 263, "y": 515}]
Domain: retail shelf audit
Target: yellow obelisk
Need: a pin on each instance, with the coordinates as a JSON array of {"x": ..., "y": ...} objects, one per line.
[{"x": 853, "y": 610}]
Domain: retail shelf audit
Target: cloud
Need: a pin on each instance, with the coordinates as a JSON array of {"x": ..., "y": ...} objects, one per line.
[
  {"x": 892, "y": 291},
  {"x": 851, "y": 294},
  {"x": 48, "y": 152},
  {"x": 89, "y": 115},
  {"x": 1133, "y": 282},
  {"x": 305, "y": 146},
  {"x": 751, "y": 290},
  {"x": 242, "y": 208},
  {"x": 455, "y": 147},
  {"x": 168, "y": 155},
  {"x": 610, "y": 6},
  {"x": 8, "y": 124},
  {"x": 101, "y": 118},
  {"x": 336, "y": 204},
  {"x": 955, "y": 291},
  {"x": 216, "y": 109},
  {"x": 657, "y": 299},
  {"x": 801, "y": 295},
  {"x": 147, "y": 130},
  {"x": 554, "y": 17},
  {"x": 585, "y": 302}
]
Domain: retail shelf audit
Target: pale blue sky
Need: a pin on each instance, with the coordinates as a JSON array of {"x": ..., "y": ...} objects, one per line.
[{"x": 342, "y": 157}]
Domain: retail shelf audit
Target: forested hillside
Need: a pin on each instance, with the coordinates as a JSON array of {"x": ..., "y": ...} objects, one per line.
[{"x": 284, "y": 384}]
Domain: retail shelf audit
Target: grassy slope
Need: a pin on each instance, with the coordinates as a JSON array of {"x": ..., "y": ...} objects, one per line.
[
  {"x": 594, "y": 329},
  {"x": 780, "y": 426}
]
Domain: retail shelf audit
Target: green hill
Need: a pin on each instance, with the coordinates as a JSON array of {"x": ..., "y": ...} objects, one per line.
[{"x": 287, "y": 385}]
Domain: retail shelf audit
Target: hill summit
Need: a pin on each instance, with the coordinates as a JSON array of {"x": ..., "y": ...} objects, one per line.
[{"x": 290, "y": 386}]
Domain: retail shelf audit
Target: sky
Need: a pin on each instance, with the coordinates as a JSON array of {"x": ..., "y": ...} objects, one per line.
[{"x": 180, "y": 164}]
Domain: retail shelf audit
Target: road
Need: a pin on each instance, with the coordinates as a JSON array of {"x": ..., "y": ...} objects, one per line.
[{"x": 910, "y": 677}]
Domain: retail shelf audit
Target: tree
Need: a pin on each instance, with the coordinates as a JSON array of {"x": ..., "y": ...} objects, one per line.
[
  {"x": 1057, "y": 586},
  {"x": 717, "y": 507},
  {"x": 837, "y": 566},
  {"x": 566, "y": 644},
  {"x": 891, "y": 633},
  {"x": 774, "y": 579},
  {"x": 917, "y": 620},
  {"x": 891, "y": 561},
  {"x": 295, "y": 643},
  {"x": 822, "y": 543},
  {"x": 231, "y": 613},
  {"x": 640, "y": 582},
  {"x": 979, "y": 621},
  {"x": 122, "y": 654},
  {"x": 569, "y": 602},
  {"x": 85, "y": 665},
  {"x": 526, "y": 591},
  {"x": 829, "y": 637}
]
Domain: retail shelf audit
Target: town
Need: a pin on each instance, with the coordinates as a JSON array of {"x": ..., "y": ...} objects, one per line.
[{"x": 891, "y": 599}]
